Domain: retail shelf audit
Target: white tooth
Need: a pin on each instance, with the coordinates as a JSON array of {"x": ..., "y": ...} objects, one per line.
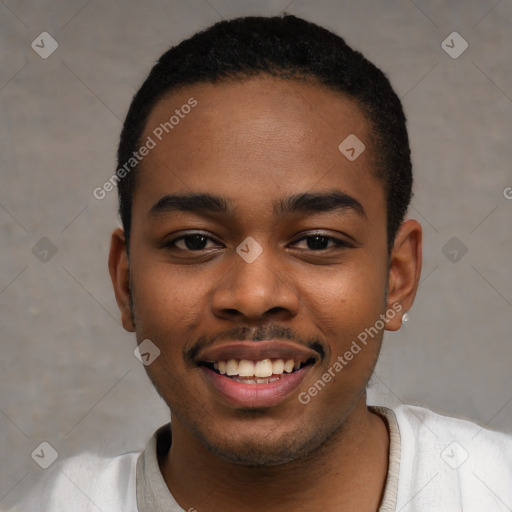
[
  {"x": 222, "y": 367},
  {"x": 245, "y": 368},
  {"x": 297, "y": 366},
  {"x": 289, "y": 365},
  {"x": 277, "y": 367},
  {"x": 263, "y": 368},
  {"x": 216, "y": 365},
  {"x": 232, "y": 367}
]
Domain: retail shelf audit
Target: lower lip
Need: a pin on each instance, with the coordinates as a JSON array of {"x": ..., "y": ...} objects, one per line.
[{"x": 255, "y": 395}]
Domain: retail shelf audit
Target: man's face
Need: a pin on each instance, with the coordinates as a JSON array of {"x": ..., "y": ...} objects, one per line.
[{"x": 319, "y": 281}]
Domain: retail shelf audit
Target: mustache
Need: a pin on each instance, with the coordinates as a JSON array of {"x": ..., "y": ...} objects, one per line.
[{"x": 259, "y": 333}]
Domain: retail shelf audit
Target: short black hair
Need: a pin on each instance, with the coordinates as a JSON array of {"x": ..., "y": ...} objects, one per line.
[{"x": 286, "y": 47}]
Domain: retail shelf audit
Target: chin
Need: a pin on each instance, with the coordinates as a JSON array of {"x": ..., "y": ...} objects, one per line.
[
  {"x": 250, "y": 438},
  {"x": 261, "y": 449}
]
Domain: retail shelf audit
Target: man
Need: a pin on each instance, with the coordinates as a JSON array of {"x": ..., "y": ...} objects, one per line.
[{"x": 264, "y": 175}]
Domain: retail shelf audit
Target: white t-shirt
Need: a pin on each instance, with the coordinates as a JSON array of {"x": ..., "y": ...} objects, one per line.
[{"x": 436, "y": 464}]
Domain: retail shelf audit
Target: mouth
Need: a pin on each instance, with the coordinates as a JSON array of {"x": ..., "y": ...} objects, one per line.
[
  {"x": 256, "y": 374},
  {"x": 263, "y": 371}
]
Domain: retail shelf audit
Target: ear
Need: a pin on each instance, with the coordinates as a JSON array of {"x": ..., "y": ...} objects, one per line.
[
  {"x": 119, "y": 268},
  {"x": 404, "y": 271}
]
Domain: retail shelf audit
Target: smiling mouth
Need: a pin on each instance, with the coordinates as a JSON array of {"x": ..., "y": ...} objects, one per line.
[{"x": 263, "y": 371}]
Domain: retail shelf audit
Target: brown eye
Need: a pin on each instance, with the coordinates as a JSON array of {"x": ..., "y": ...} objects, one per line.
[
  {"x": 319, "y": 242},
  {"x": 191, "y": 242},
  {"x": 195, "y": 242}
]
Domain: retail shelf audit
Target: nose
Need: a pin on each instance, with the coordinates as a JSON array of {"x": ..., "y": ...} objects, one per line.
[{"x": 255, "y": 291}]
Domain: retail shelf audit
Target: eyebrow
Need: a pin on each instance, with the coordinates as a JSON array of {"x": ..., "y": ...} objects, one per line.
[
  {"x": 309, "y": 203},
  {"x": 305, "y": 203}
]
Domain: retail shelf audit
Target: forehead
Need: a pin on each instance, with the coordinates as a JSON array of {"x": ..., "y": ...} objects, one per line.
[{"x": 264, "y": 132}]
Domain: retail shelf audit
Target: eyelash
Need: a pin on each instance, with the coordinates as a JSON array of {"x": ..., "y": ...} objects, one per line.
[{"x": 338, "y": 243}]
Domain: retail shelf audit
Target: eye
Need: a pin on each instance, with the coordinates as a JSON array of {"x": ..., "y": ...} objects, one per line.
[
  {"x": 191, "y": 242},
  {"x": 320, "y": 242}
]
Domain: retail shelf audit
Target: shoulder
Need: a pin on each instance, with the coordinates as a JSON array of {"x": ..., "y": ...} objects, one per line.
[
  {"x": 84, "y": 483},
  {"x": 451, "y": 462},
  {"x": 419, "y": 425}
]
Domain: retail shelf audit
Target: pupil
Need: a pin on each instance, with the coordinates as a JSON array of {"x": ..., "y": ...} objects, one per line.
[
  {"x": 317, "y": 242},
  {"x": 195, "y": 242}
]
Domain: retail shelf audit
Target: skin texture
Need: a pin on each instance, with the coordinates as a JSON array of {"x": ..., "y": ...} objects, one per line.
[{"x": 255, "y": 142}]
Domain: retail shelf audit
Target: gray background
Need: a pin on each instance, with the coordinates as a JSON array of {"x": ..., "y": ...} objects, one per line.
[{"x": 67, "y": 372}]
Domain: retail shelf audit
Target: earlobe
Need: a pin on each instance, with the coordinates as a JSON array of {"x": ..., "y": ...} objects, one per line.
[
  {"x": 404, "y": 271},
  {"x": 119, "y": 269}
]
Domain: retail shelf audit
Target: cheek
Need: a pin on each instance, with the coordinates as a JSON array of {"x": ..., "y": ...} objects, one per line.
[
  {"x": 169, "y": 307},
  {"x": 344, "y": 304},
  {"x": 167, "y": 302},
  {"x": 347, "y": 298}
]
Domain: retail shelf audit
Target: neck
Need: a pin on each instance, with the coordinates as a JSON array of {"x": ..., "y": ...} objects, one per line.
[{"x": 347, "y": 472}]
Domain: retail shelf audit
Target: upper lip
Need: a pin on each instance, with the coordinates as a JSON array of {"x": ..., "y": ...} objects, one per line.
[{"x": 256, "y": 351}]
